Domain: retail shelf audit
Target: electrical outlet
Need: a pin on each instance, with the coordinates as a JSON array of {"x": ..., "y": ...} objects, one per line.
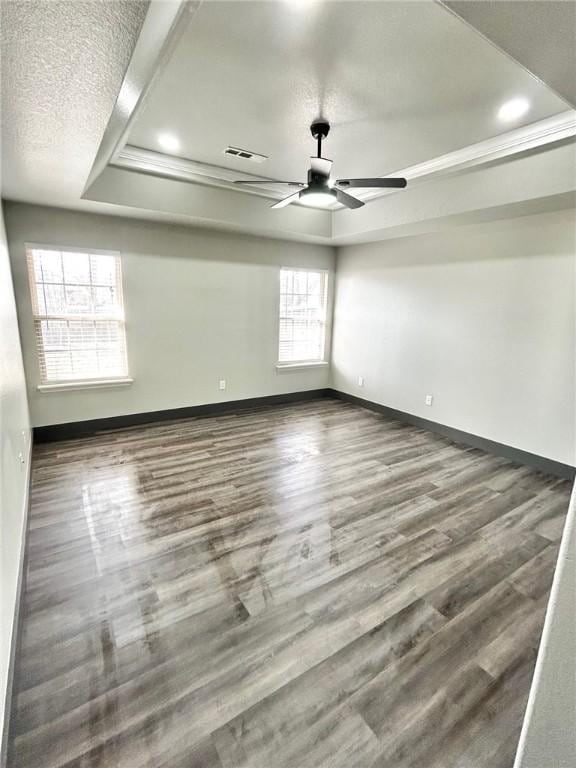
[
  {"x": 222, "y": 384},
  {"x": 429, "y": 399},
  {"x": 360, "y": 381}
]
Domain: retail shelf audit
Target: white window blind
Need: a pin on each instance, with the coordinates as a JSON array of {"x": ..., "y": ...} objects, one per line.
[
  {"x": 78, "y": 315},
  {"x": 303, "y": 297}
]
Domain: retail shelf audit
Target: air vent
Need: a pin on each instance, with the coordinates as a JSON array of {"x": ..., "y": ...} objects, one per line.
[{"x": 245, "y": 154}]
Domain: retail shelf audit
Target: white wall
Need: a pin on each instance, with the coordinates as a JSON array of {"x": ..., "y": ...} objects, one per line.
[
  {"x": 482, "y": 317},
  {"x": 14, "y": 463},
  {"x": 549, "y": 731},
  {"x": 200, "y": 306}
]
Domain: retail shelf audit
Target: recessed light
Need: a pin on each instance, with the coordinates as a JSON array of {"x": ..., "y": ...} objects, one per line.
[
  {"x": 304, "y": 7},
  {"x": 513, "y": 109},
  {"x": 168, "y": 142}
]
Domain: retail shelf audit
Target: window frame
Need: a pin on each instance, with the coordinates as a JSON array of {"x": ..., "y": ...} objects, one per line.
[
  {"x": 315, "y": 362},
  {"x": 102, "y": 381}
]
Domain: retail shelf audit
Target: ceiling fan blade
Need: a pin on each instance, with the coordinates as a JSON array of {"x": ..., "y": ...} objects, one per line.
[
  {"x": 321, "y": 165},
  {"x": 287, "y": 200},
  {"x": 348, "y": 200},
  {"x": 270, "y": 181},
  {"x": 390, "y": 183}
]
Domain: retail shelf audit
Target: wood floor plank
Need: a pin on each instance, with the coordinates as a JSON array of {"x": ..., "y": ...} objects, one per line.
[
  {"x": 255, "y": 738},
  {"x": 306, "y": 586}
]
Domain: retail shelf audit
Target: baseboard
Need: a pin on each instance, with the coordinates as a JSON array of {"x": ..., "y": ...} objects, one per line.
[
  {"x": 16, "y": 640},
  {"x": 565, "y": 471},
  {"x": 85, "y": 428},
  {"x": 75, "y": 429}
]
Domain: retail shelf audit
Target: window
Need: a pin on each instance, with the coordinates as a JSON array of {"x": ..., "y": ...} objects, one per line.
[
  {"x": 303, "y": 295},
  {"x": 78, "y": 315}
]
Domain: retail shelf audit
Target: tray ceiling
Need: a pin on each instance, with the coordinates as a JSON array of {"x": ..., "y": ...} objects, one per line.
[
  {"x": 407, "y": 86},
  {"x": 401, "y": 83}
]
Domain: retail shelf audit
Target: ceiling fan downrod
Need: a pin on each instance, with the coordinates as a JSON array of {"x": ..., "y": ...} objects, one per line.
[{"x": 319, "y": 131}]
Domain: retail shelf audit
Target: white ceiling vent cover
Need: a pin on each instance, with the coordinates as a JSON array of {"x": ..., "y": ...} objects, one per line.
[{"x": 245, "y": 154}]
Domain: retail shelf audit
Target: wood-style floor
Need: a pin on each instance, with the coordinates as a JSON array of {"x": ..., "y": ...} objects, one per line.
[{"x": 306, "y": 586}]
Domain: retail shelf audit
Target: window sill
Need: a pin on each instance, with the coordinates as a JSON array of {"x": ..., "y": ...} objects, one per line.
[
  {"x": 296, "y": 366},
  {"x": 70, "y": 385}
]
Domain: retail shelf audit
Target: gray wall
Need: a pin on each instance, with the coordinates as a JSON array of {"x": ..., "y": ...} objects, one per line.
[
  {"x": 14, "y": 463},
  {"x": 200, "y": 306},
  {"x": 481, "y": 317}
]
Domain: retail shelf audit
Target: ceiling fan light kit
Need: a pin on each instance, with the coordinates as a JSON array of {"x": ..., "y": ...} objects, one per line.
[
  {"x": 319, "y": 190},
  {"x": 321, "y": 197}
]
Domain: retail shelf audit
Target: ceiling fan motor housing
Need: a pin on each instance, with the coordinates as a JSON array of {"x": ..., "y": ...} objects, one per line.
[
  {"x": 317, "y": 185},
  {"x": 317, "y": 179}
]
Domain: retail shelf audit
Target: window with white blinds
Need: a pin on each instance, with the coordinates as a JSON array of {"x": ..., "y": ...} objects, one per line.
[
  {"x": 303, "y": 298},
  {"x": 78, "y": 315}
]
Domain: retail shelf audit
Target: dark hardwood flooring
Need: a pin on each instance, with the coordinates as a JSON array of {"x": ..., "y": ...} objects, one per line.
[{"x": 305, "y": 586}]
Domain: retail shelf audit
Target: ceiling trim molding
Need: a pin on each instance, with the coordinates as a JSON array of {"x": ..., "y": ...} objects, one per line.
[
  {"x": 181, "y": 169},
  {"x": 163, "y": 24},
  {"x": 548, "y": 131},
  {"x": 551, "y": 130}
]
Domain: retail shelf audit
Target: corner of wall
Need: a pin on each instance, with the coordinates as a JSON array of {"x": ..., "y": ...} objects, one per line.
[
  {"x": 548, "y": 736},
  {"x": 15, "y": 466}
]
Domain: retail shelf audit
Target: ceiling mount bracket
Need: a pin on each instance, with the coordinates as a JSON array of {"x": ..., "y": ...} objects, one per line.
[{"x": 319, "y": 131}]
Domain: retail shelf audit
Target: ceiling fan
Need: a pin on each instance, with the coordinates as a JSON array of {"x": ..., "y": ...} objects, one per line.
[{"x": 319, "y": 189}]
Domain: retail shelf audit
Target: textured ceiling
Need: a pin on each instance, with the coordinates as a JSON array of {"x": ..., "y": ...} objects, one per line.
[
  {"x": 401, "y": 83},
  {"x": 540, "y": 34},
  {"x": 62, "y": 65}
]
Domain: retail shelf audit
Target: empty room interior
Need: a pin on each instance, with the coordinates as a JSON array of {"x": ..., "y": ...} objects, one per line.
[{"x": 288, "y": 384}]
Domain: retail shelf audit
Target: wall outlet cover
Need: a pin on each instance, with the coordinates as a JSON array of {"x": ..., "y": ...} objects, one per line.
[
  {"x": 429, "y": 399},
  {"x": 360, "y": 381},
  {"x": 222, "y": 384}
]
